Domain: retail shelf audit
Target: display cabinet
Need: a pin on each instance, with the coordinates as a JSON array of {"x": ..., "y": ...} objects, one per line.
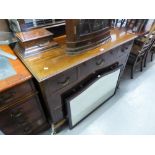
[
  {"x": 83, "y": 34},
  {"x": 19, "y": 25}
]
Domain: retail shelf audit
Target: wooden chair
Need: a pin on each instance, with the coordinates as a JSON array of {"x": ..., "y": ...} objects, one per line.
[
  {"x": 138, "y": 56},
  {"x": 152, "y": 41},
  {"x": 140, "y": 41},
  {"x": 152, "y": 52}
]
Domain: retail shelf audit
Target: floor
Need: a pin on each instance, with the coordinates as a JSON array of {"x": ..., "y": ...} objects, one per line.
[{"x": 130, "y": 111}]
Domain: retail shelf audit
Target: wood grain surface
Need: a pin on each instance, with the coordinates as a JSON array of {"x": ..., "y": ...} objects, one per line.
[
  {"x": 22, "y": 74},
  {"x": 55, "y": 61}
]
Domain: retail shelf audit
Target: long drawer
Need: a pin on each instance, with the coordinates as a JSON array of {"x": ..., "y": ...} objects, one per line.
[
  {"x": 13, "y": 94},
  {"x": 96, "y": 63}
]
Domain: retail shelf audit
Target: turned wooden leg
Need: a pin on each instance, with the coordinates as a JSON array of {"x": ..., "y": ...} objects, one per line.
[
  {"x": 145, "y": 59},
  {"x": 145, "y": 62},
  {"x": 141, "y": 66},
  {"x": 151, "y": 56}
]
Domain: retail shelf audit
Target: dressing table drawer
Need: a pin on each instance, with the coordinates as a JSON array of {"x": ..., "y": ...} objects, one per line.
[
  {"x": 104, "y": 60},
  {"x": 86, "y": 68},
  {"x": 95, "y": 64},
  {"x": 61, "y": 80}
]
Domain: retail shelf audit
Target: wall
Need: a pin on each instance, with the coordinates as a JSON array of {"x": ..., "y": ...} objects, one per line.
[{"x": 4, "y": 25}]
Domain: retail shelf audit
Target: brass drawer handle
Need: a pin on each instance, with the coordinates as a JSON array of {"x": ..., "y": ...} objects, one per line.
[
  {"x": 7, "y": 96},
  {"x": 124, "y": 48},
  {"x": 100, "y": 62},
  {"x": 23, "y": 123},
  {"x": 27, "y": 130},
  {"x": 16, "y": 115},
  {"x": 111, "y": 53},
  {"x": 65, "y": 82}
]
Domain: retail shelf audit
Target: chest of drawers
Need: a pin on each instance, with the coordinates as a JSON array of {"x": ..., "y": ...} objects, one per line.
[{"x": 20, "y": 107}]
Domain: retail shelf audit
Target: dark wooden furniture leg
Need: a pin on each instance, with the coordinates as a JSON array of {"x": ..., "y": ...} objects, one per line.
[
  {"x": 151, "y": 56},
  {"x": 152, "y": 52},
  {"x": 145, "y": 59},
  {"x": 134, "y": 66},
  {"x": 141, "y": 65}
]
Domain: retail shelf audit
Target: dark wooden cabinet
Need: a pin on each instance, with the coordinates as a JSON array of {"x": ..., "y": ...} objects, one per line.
[
  {"x": 20, "y": 108},
  {"x": 83, "y": 34},
  {"x": 21, "y": 111},
  {"x": 25, "y": 117}
]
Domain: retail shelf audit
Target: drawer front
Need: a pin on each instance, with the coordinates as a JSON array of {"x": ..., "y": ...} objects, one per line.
[
  {"x": 86, "y": 68},
  {"x": 125, "y": 49},
  {"x": 24, "y": 118},
  {"x": 97, "y": 63},
  {"x": 14, "y": 93},
  {"x": 100, "y": 61},
  {"x": 104, "y": 60},
  {"x": 61, "y": 80}
]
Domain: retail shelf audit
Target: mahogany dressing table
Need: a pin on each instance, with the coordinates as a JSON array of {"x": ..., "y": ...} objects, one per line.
[{"x": 56, "y": 72}]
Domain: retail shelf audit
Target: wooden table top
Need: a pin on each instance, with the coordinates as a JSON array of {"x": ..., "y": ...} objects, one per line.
[
  {"x": 54, "y": 61},
  {"x": 22, "y": 74}
]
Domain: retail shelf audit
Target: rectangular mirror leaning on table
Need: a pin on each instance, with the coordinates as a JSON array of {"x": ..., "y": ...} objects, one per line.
[{"x": 83, "y": 102}]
